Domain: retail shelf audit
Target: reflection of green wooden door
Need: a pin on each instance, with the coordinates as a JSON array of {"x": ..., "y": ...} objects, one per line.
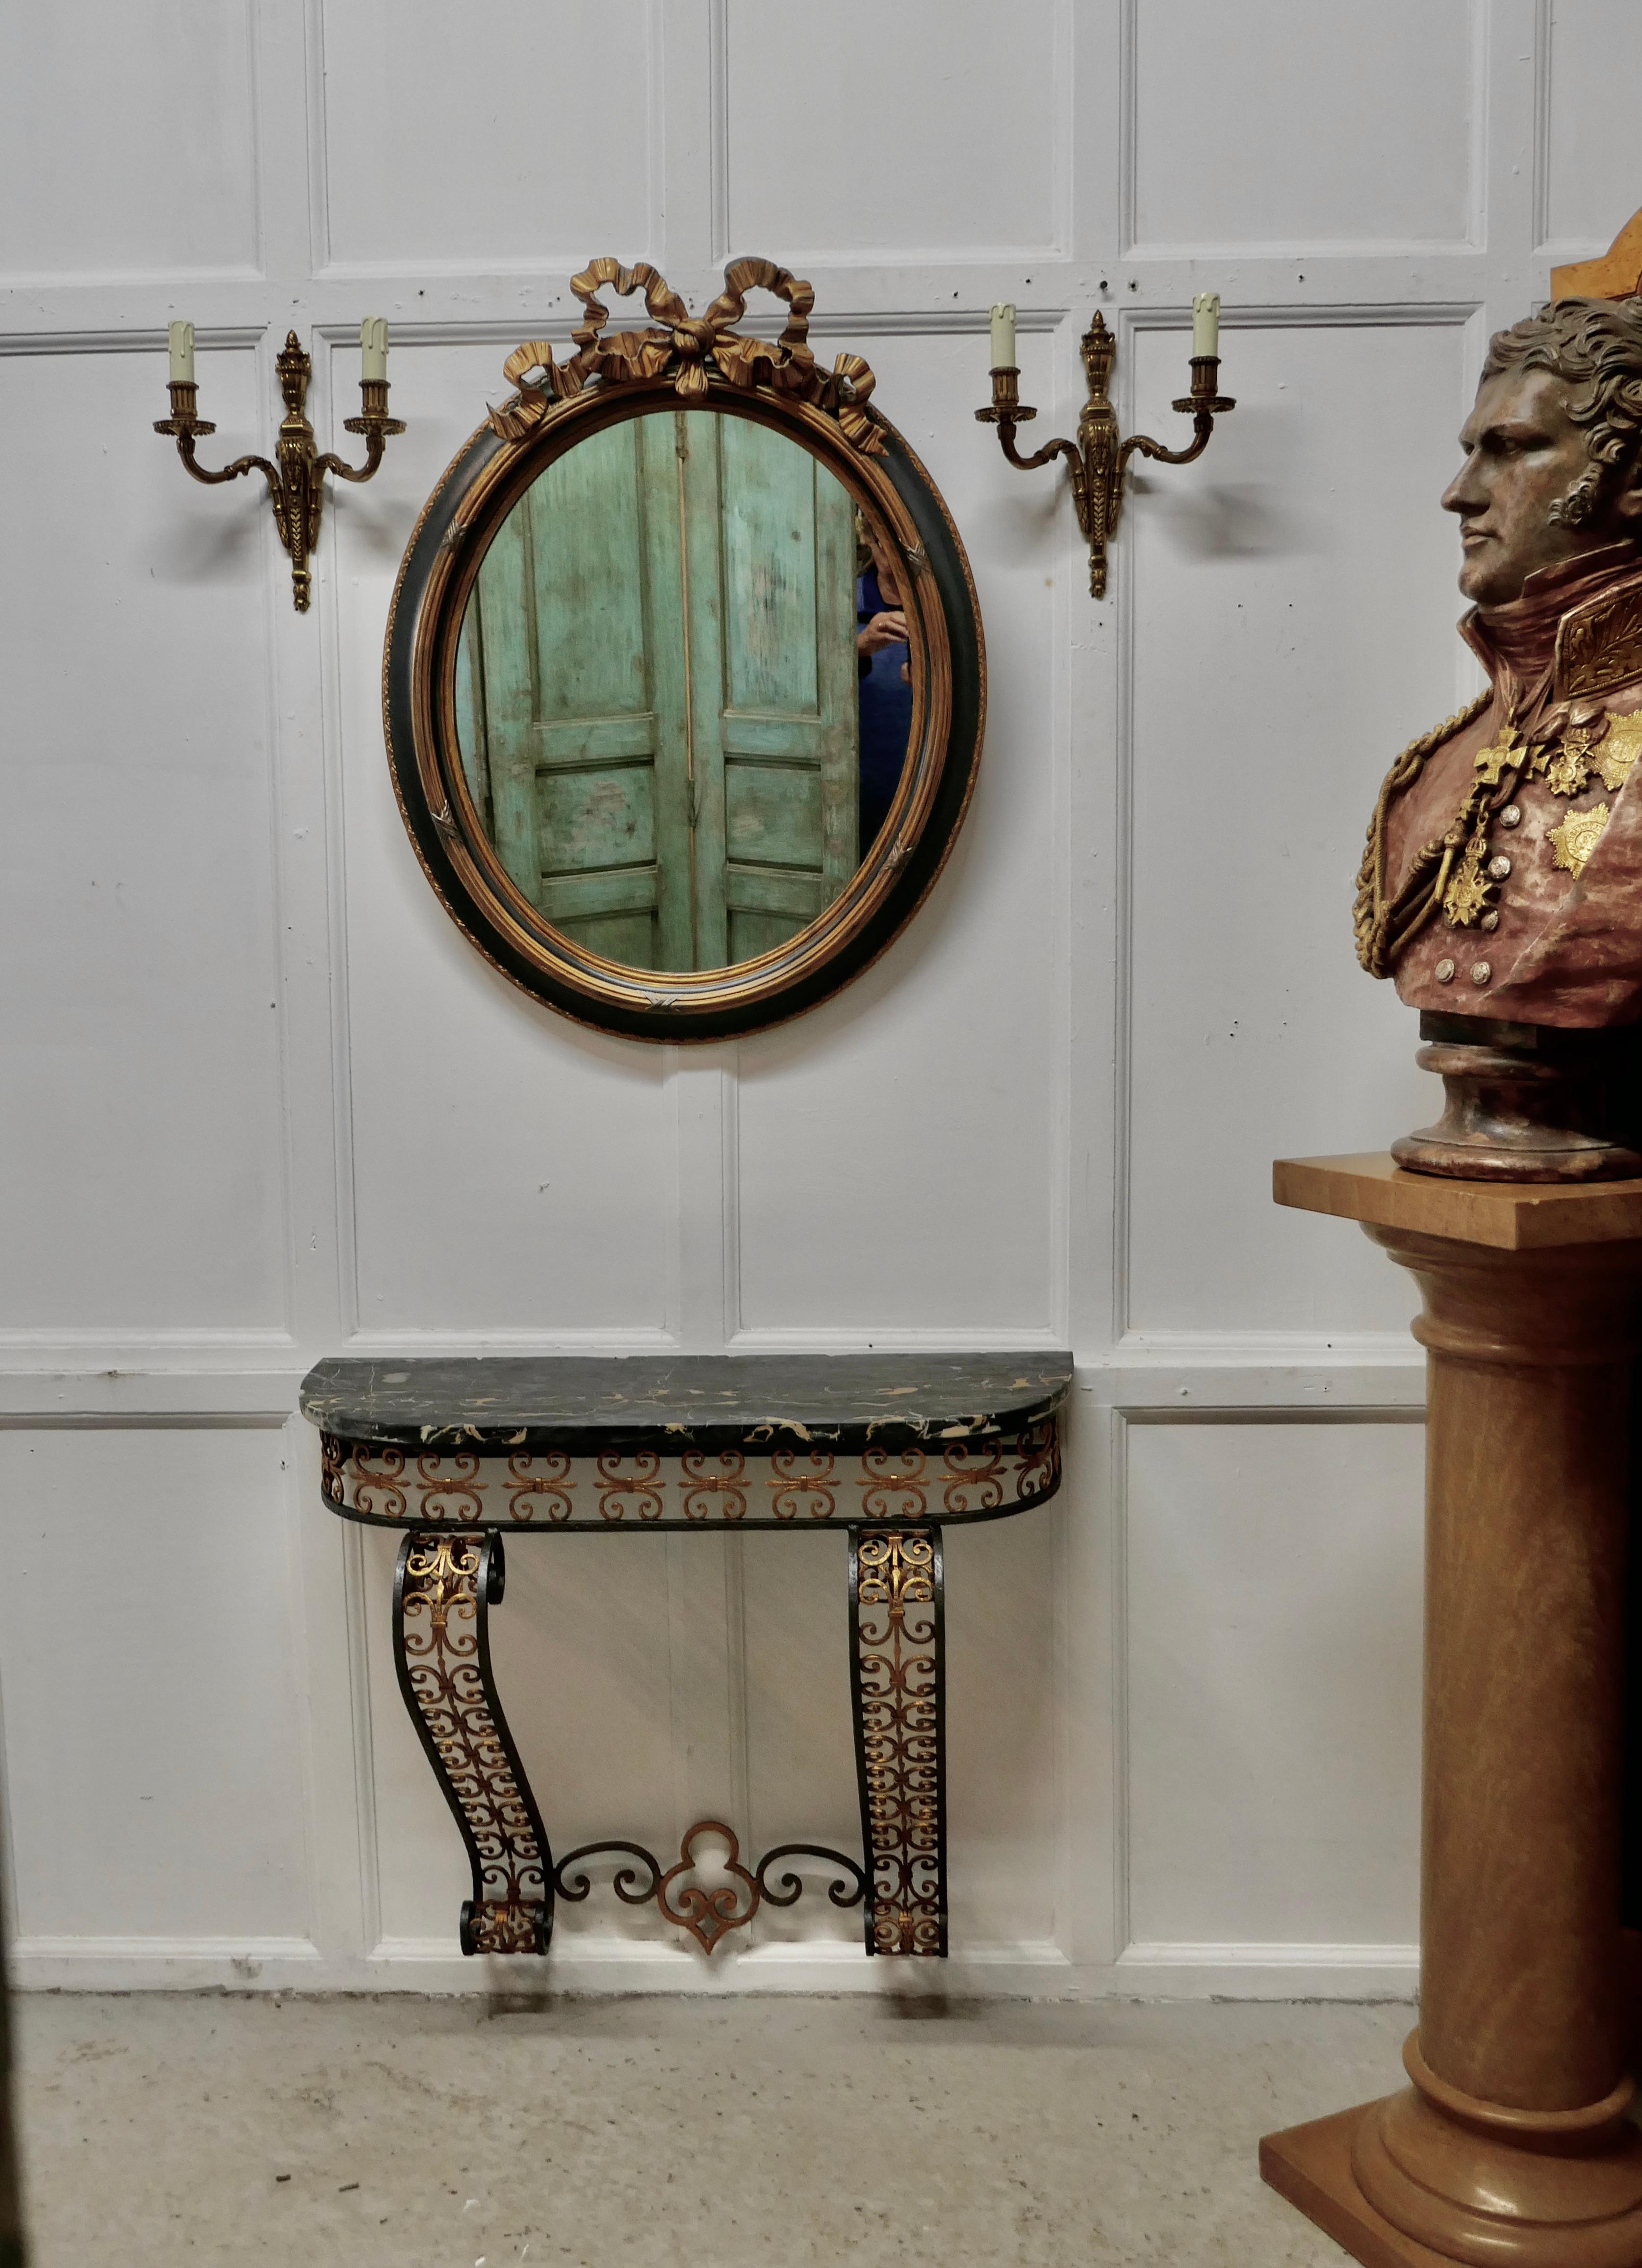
[
  {"x": 657, "y": 691},
  {"x": 570, "y": 688},
  {"x": 778, "y": 714}
]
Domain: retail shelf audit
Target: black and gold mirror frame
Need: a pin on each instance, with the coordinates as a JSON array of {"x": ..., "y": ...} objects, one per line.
[{"x": 684, "y": 367}]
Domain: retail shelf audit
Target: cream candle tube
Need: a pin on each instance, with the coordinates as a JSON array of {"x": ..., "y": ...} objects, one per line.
[
  {"x": 181, "y": 342},
  {"x": 1003, "y": 336},
  {"x": 373, "y": 346},
  {"x": 1206, "y": 323}
]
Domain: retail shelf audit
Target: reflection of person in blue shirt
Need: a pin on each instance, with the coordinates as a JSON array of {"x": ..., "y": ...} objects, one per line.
[{"x": 882, "y": 660}]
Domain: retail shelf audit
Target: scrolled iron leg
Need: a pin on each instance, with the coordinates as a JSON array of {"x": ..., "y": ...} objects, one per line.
[
  {"x": 443, "y": 1588},
  {"x": 897, "y": 1686}
]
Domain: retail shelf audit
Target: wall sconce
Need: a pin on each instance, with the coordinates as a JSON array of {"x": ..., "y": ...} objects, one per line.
[
  {"x": 1098, "y": 458},
  {"x": 297, "y": 484}
]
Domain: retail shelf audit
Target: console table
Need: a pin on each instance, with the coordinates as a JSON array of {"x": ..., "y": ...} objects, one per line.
[{"x": 890, "y": 1448}]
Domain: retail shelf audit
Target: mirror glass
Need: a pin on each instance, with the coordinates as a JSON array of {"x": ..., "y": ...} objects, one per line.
[{"x": 683, "y": 691}]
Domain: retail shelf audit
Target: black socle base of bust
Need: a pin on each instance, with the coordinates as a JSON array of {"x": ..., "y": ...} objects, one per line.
[{"x": 1528, "y": 1102}]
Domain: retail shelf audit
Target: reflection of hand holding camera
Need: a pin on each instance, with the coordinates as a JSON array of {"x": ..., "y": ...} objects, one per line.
[
  {"x": 889, "y": 626},
  {"x": 887, "y": 629}
]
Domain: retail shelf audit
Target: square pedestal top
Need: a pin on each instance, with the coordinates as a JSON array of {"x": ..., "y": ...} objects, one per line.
[{"x": 1512, "y": 1216}]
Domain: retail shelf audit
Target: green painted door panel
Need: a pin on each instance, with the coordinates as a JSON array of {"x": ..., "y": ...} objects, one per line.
[
  {"x": 587, "y": 556},
  {"x": 768, "y": 510},
  {"x": 657, "y": 691},
  {"x": 788, "y": 730},
  {"x": 578, "y": 644},
  {"x": 773, "y": 814}
]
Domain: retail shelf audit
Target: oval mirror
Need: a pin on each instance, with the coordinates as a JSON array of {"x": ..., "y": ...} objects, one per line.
[{"x": 684, "y": 677}]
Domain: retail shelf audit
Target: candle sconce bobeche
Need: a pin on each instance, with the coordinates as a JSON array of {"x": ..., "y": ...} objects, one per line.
[
  {"x": 1098, "y": 458},
  {"x": 297, "y": 484}
]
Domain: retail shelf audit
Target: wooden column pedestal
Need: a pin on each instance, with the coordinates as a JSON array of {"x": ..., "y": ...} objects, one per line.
[{"x": 1512, "y": 2147}]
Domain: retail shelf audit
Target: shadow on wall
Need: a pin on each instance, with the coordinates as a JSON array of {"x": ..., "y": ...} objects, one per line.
[
  {"x": 1246, "y": 522},
  {"x": 1259, "y": 515}
]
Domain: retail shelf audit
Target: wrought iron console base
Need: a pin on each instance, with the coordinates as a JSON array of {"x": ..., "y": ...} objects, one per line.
[
  {"x": 443, "y": 1589},
  {"x": 969, "y": 1448}
]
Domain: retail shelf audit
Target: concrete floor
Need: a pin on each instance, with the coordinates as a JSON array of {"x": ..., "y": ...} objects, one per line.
[{"x": 697, "y": 2134}]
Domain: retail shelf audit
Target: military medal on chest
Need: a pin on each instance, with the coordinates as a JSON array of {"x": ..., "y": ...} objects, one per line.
[
  {"x": 1468, "y": 896},
  {"x": 1592, "y": 745},
  {"x": 1591, "y": 742}
]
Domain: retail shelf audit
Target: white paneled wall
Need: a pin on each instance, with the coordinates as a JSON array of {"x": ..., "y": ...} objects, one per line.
[
  {"x": 486, "y": 137},
  {"x": 1297, "y": 1547},
  {"x": 152, "y": 1664},
  {"x": 1591, "y": 50},
  {"x": 1366, "y": 120},
  {"x": 847, "y": 129},
  {"x": 130, "y": 146},
  {"x": 262, "y": 1102},
  {"x": 141, "y": 1104},
  {"x": 1266, "y": 604}
]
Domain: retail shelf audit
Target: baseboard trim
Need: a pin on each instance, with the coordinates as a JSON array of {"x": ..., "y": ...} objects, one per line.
[
  {"x": 592, "y": 1962},
  {"x": 864, "y": 1338},
  {"x": 583, "y": 1962},
  {"x": 1271, "y": 1972},
  {"x": 165, "y": 1964}
]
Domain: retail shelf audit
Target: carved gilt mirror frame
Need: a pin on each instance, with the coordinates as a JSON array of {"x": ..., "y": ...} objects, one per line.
[{"x": 681, "y": 362}]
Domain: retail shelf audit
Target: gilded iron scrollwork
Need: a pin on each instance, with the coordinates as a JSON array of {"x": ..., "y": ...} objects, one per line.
[
  {"x": 709, "y": 1913},
  {"x": 802, "y": 1480},
  {"x": 714, "y": 1484},
  {"x": 1037, "y": 1474},
  {"x": 630, "y": 1484},
  {"x": 443, "y": 1587},
  {"x": 538, "y": 1486},
  {"x": 486, "y": 1485},
  {"x": 898, "y": 1684}
]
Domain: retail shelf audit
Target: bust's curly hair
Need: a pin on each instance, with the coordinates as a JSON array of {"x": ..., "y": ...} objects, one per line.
[{"x": 1596, "y": 346}]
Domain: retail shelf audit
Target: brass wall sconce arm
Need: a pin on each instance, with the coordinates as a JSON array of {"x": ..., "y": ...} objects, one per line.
[
  {"x": 1098, "y": 459},
  {"x": 296, "y": 483}
]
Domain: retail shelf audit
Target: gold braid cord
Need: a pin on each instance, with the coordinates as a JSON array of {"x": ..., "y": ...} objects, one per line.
[
  {"x": 444, "y": 1674},
  {"x": 896, "y": 1587},
  {"x": 686, "y": 348},
  {"x": 1373, "y": 913}
]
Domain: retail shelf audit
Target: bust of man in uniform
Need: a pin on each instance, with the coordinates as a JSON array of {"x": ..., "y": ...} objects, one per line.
[{"x": 1503, "y": 874}]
